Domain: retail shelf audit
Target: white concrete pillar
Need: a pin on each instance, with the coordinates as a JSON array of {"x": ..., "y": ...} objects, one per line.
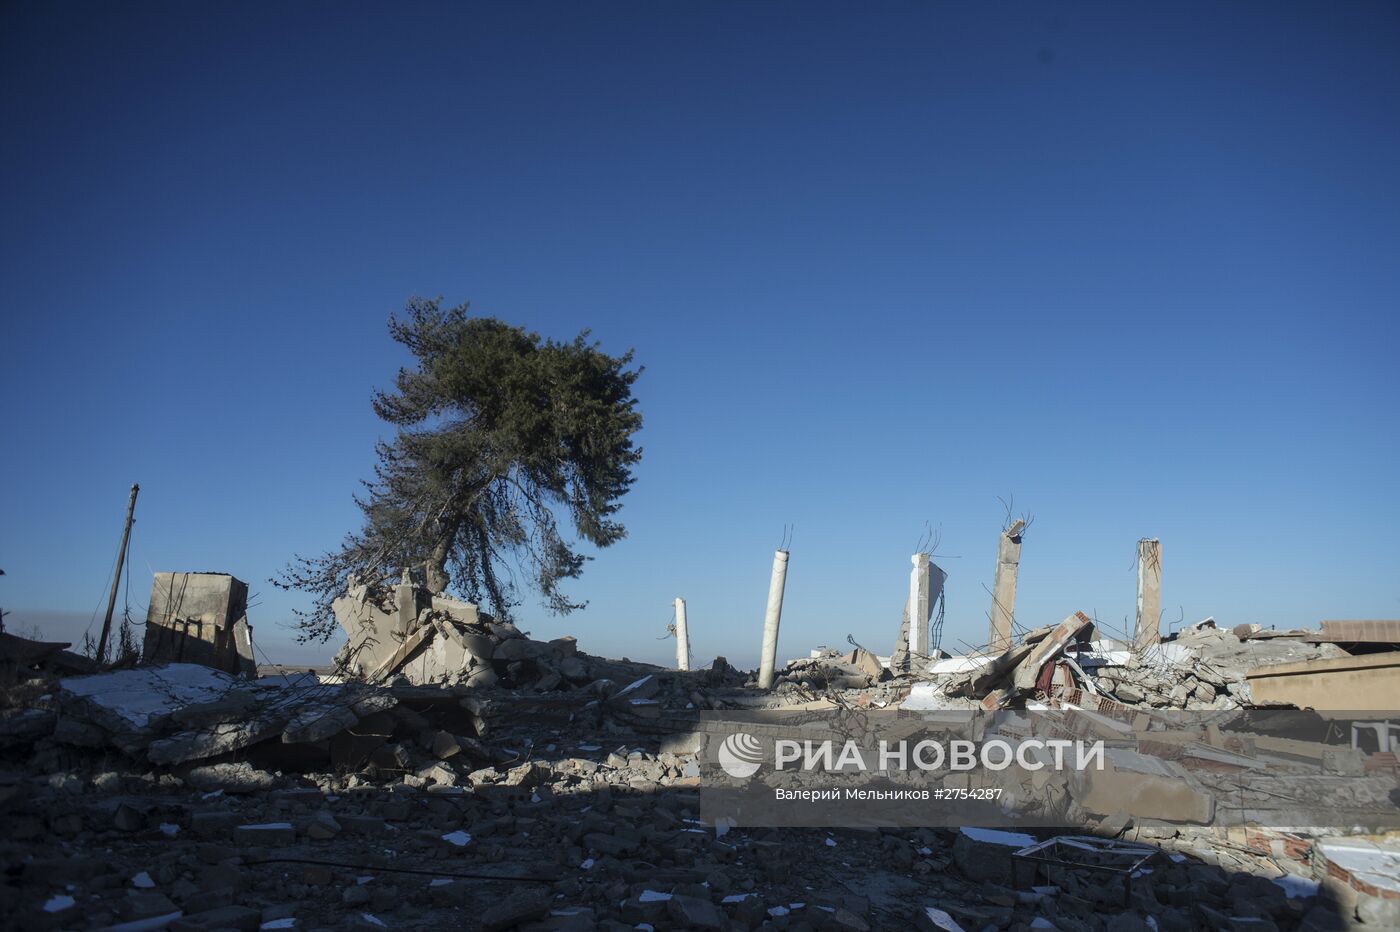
[
  {"x": 919, "y": 607},
  {"x": 682, "y": 638},
  {"x": 1149, "y": 593},
  {"x": 769, "y": 657},
  {"x": 1004, "y": 587},
  {"x": 406, "y": 603}
]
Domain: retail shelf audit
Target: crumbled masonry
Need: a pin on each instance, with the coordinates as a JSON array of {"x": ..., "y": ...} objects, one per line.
[{"x": 455, "y": 773}]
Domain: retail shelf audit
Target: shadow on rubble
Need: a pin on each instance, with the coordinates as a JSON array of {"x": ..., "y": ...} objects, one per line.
[
  {"x": 580, "y": 856},
  {"x": 533, "y": 840},
  {"x": 534, "y": 812}
]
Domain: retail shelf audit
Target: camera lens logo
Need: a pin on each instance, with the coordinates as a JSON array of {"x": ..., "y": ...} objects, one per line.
[{"x": 740, "y": 755}]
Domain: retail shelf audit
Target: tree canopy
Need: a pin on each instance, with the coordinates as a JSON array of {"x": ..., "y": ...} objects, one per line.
[{"x": 501, "y": 438}]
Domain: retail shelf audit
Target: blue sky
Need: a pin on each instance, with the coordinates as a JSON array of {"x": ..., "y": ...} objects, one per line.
[{"x": 1135, "y": 265}]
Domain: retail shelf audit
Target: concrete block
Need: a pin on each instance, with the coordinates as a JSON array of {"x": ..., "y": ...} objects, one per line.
[
  {"x": 691, "y": 912},
  {"x": 1046, "y": 650},
  {"x": 464, "y": 612},
  {"x": 984, "y": 855},
  {"x": 145, "y": 905},
  {"x": 200, "y": 618}
]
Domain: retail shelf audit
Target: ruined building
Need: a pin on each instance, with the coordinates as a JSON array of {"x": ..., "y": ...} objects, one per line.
[{"x": 200, "y": 618}]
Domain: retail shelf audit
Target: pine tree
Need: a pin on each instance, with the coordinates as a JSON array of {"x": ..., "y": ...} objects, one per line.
[{"x": 500, "y": 434}]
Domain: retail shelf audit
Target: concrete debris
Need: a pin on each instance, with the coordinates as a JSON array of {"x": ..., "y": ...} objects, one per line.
[
  {"x": 1360, "y": 633},
  {"x": 1364, "y": 875},
  {"x": 455, "y": 772},
  {"x": 1028, "y": 673},
  {"x": 1200, "y": 668},
  {"x": 200, "y": 618},
  {"x": 176, "y": 713},
  {"x": 1057, "y": 860},
  {"x": 406, "y": 635},
  {"x": 1004, "y": 586},
  {"x": 19, "y": 655},
  {"x": 1146, "y": 787}
]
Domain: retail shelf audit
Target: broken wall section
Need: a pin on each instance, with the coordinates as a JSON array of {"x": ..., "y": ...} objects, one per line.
[
  {"x": 200, "y": 618},
  {"x": 404, "y": 633}
]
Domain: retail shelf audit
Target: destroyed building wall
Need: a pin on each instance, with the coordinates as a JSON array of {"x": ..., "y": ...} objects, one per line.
[
  {"x": 406, "y": 630},
  {"x": 200, "y": 618},
  {"x": 1370, "y": 682}
]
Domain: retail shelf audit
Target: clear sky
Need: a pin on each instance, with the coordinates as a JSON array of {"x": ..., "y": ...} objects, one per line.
[{"x": 1137, "y": 265}]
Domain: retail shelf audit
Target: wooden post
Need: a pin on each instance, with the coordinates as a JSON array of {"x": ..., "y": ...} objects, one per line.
[{"x": 116, "y": 580}]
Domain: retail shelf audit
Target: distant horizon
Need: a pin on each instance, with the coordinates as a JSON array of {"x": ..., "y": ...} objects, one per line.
[{"x": 63, "y": 624}]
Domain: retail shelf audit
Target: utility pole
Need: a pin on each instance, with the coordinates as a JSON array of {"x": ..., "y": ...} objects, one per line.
[{"x": 116, "y": 580}]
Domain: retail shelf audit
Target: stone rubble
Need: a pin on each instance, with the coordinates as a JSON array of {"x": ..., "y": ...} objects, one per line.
[{"x": 482, "y": 779}]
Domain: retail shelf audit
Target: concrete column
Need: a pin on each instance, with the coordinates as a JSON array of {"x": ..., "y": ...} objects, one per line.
[
  {"x": 899, "y": 657},
  {"x": 918, "y": 606},
  {"x": 682, "y": 638},
  {"x": 1004, "y": 587},
  {"x": 769, "y": 657},
  {"x": 406, "y": 600},
  {"x": 1149, "y": 593}
]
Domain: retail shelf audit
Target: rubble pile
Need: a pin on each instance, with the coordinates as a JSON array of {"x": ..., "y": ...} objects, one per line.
[
  {"x": 406, "y": 634},
  {"x": 461, "y": 807},
  {"x": 1201, "y": 668},
  {"x": 455, "y": 773},
  {"x": 856, "y": 669}
]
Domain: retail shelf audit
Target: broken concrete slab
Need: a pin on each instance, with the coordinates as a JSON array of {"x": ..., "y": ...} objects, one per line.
[
  {"x": 130, "y": 704},
  {"x": 1364, "y": 874},
  {"x": 867, "y": 663},
  {"x": 984, "y": 676},
  {"x": 400, "y": 655},
  {"x": 984, "y": 854},
  {"x": 1075, "y": 627},
  {"x": 1145, "y": 788}
]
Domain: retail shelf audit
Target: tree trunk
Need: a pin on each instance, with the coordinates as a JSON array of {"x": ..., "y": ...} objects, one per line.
[{"x": 436, "y": 570}]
